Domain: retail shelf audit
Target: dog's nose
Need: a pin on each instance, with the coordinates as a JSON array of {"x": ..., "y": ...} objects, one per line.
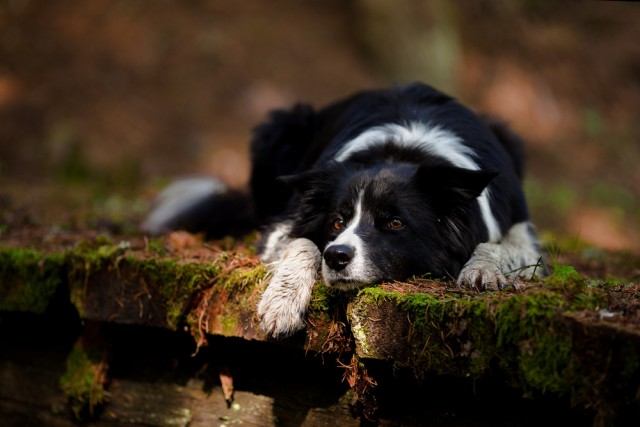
[{"x": 338, "y": 257}]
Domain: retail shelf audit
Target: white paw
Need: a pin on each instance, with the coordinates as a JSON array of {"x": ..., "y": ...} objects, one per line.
[
  {"x": 280, "y": 314},
  {"x": 482, "y": 271},
  {"x": 480, "y": 275},
  {"x": 496, "y": 265},
  {"x": 284, "y": 303}
]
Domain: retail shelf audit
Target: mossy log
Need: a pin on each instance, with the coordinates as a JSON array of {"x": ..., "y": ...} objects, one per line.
[
  {"x": 562, "y": 338},
  {"x": 568, "y": 335}
]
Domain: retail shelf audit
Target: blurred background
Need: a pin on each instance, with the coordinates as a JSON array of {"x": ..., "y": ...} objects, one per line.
[{"x": 103, "y": 102}]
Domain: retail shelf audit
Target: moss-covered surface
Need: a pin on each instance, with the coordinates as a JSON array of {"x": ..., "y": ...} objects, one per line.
[
  {"x": 140, "y": 282},
  {"x": 84, "y": 382},
  {"x": 29, "y": 279},
  {"x": 560, "y": 335},
  {"x": 228, "y": 307},
  {"x": 176, "y": 282}
]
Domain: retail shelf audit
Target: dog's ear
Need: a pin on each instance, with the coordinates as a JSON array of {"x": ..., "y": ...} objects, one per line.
[
  {"x": 448, "y": 182},
  {"x": 314, "y": 189}
]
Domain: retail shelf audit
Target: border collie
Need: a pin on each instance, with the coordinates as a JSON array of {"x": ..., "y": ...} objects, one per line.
[{"x": 378, "y": 187}]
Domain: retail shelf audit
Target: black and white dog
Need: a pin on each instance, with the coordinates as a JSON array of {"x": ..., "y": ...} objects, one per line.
[{"x": 378, "y": 187}]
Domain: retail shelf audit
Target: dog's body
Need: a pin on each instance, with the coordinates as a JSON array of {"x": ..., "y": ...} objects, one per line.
[{"x": 383, "y": 186}]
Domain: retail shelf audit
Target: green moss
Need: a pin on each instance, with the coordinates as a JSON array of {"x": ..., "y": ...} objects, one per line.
[
  {"x": 320, "y": 298},
  {"x": 236, "y": 292},
  {"x": 88, "y": 257},
  {"x": 520, "y": 315},
  {"x": 444, "y": 330},
  {"x": 226, "y": 290},
  {"x": 456, "y": 332},
  {"x": 529, "y": 346},
  {"x": 84, "y": 382},
  {"x": 476, "y": 317},
  {"x": 448, "y": 333},
  {"x": 156, "y": 246},
  {"x": 545, "y": 360},
  {"x": 177, "y": 282},
  {"x": 99, "y": 250},
  {"x": 173, "y": 281},
  {"x": 29, "y": 279},
  {"x": 240, "y": 280},
  {"x": 377, "y": 295},
  {"x": 565, "y": 272},
  {"x": 526, "y": 333},
  {"x": 535, "y": 339},
  {"x": 229, "y": 325}
]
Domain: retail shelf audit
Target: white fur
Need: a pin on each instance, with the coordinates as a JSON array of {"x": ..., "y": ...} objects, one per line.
[
  {"x": 433, "y": 140},
  {"x": 295, "y": 262},
  {"x": 283, "y": 304},
  {"x": 277, "y": 241},
  {"x": 493, "y": 265},
  {"x": 430, "y": 139},
  {"x": 358, "y": 267},
  {"x": 180, "y": 197}
]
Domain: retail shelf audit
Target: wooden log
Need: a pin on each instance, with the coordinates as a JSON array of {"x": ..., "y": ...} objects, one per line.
[{"x": 554, "y": 336}]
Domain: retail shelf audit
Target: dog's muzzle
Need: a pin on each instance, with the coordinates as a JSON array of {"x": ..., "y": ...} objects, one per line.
[{"x": 337, "y": 257}]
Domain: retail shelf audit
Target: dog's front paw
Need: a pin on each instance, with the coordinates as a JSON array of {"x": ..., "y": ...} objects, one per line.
[
  {"x": 280, "y": 313},
  {"x": 482, "y": 271},
  {"x": 482, "y": 276},
  {"x": 283, "y": 304}
]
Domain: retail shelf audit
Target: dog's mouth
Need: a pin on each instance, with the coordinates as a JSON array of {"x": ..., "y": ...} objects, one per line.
[
  {"x": 345, "y": 284},
  {"x": 356, "y": 273},
  {"x": 343, "y": 281}
]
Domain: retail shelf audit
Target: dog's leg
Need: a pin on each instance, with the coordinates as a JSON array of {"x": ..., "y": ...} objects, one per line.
[
  {"x": 495, "y": 265},
  {"x": 276, "y": 239},
  {"x": 283, "y": 304}
]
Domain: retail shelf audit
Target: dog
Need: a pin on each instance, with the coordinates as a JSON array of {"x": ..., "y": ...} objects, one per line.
[{"x": 381, "y": 186}]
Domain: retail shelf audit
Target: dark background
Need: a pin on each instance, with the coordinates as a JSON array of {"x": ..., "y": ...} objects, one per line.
[{"x": 103, "y": 102}]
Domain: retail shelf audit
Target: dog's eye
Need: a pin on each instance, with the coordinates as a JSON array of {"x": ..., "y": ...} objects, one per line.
[
  {"x": 395, "y": 224},
  {"x": 337, "y": 224}
]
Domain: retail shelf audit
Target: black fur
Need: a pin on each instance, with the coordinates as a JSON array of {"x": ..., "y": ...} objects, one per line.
[
  {"x": 436, "y": 200},
  {"x": 420, "y": 212}
]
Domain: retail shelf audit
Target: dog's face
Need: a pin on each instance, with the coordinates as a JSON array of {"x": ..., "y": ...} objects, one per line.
[
  {"x": 390, "y": 221},
  {"x": 370, "y": 233}
]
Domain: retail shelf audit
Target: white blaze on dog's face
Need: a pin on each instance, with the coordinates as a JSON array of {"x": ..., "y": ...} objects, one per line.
[
  {"x": 372, "y": 235},
  {"x": 391, "y": 222},
  {"x": 345, "y": 263}
]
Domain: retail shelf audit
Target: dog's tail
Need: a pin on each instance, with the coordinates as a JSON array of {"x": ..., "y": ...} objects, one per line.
[
  {"x": 200, "y": 204},
  {"x": 511, "y": 142}
]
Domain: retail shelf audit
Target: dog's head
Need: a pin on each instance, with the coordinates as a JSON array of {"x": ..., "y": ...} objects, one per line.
[{"x": 389, "y": 221}]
